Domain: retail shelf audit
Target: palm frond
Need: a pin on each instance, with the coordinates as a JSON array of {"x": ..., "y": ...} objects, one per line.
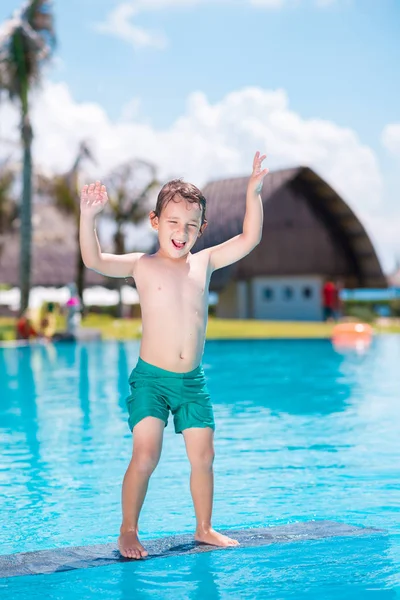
[
  {"x": 62, "y": 188},
  {"x": 58, "y": 189},
  {"x": 26, "y": 40},
  {"x": 139, "y": 209},
  {"x": 84, "y": 153},
  {"x": 129, "y": 187}
]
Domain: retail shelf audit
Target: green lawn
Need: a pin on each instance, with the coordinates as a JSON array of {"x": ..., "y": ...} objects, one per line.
[
  {"x": 126, "y": 329},
  {"x": 217, "y": 328},
  {"x": 7, "y": 328},
  {"x": 227, "y": 328}
]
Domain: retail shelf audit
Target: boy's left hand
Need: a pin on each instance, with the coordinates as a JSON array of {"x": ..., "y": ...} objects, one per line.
[{"x": 257, "y": 176}]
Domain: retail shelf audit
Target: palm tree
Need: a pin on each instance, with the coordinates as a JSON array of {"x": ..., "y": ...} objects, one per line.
[
  {"x": 64, "y": 191},
  {"x": 8, "y": 205},
  {"x": 129, "y": 187},
  {"x": 26, "y": 41}
]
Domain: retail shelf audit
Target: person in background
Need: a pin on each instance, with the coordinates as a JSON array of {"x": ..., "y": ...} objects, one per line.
[
  {"x": 329, "y": 301},
  {"x": 25, "y": 329}
]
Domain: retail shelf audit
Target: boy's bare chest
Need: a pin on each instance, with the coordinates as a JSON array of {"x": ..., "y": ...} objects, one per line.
[{"x": 172, "y": 283}]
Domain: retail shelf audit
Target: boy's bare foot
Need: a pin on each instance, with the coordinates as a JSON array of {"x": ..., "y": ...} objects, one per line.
[
  {"x": 214, "y": 538},
  {"x": 129, "y": 545}
]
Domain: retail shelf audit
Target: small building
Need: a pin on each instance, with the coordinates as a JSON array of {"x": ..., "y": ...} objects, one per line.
[
  {"x": 309, "y": 234},
  {"x": 54, "y": 251}
]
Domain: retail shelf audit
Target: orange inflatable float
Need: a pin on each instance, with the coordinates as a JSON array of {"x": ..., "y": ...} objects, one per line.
[{"x": 352, "y": 335}]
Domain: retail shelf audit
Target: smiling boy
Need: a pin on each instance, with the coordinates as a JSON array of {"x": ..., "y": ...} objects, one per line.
[{"x": 173, "y": 288}]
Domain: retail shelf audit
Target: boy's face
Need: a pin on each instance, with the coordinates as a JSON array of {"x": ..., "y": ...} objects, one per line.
[{"x": 178, "y": 227}]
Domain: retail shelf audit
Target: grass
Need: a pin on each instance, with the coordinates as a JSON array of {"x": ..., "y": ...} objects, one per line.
[
  {"x": 235, "y": 328},
  {"x": 390, "y": 328},
  {"x": 114, "y": 329},
  {"x": 217, "y": 328},
  {"x": 127, "y": 329},
  {"x": 7, "y": 328}
]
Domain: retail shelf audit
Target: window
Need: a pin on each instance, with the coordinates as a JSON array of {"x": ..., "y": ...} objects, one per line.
[
  {"x": 307, "y": 292},
  {"x": 268, "y": 293},
  {"x": 288, "y": 293}
]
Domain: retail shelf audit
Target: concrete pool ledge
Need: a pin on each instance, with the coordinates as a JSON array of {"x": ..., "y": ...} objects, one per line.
[{"x": 83, "y": 557}]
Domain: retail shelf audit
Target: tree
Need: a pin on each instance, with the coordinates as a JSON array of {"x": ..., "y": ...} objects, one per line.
[
  {"x": 8, "y": 205},
  {"x": 26, "y": 41},
  {"x": 63, "y": 189},
  {"x": 129, "y": 187}
]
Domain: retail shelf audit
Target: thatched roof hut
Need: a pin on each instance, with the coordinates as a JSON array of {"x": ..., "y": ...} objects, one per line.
[
  {"x": 53, "y": 251},
  {"x": 309, "y": 234},
  {"x": 308, "y": 228}
]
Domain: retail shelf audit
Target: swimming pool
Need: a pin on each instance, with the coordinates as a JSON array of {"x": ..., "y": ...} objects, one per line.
[{"x": 303, "y": 433}]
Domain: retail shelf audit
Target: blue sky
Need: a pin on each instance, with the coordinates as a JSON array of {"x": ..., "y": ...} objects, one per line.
[{"x": 335, "y": 60}]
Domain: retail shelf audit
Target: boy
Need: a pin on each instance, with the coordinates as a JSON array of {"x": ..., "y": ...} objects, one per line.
[{"x": 173, "y": 290}]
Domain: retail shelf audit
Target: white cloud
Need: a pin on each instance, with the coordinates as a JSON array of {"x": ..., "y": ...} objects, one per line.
[
  {"x": 391, "y": 138},
  {"x": 211, "y": 141},
  {"x": 131, "y": 110},
  {"x": 119, "y": 22},
  {"x": 119, "y": 25}
]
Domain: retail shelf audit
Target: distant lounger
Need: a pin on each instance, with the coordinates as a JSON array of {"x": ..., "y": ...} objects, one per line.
[{"x": 83, "y": 557}]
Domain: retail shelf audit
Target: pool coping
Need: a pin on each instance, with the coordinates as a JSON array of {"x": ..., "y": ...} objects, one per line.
[{"x": 83, "y": 557}]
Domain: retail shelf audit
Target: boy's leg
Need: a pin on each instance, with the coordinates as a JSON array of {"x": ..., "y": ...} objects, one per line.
[
  {"x": 147, "y": 444},
  {"x": 200, "y": 450}
]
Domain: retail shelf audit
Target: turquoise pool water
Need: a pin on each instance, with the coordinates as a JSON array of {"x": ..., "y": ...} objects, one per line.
[{"x": 303, "y": 433}]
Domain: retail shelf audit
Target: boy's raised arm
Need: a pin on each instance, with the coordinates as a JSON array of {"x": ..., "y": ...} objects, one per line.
[
  {"x": 93, "y": 200},
  {"x": 238, "y": 247}
]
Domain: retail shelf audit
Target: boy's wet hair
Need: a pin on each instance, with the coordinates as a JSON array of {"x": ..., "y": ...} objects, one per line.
[{"x": 187, "y": 191}]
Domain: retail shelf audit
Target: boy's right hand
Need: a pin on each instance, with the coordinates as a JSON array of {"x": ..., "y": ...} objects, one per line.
[{"x": 93, "y": 199}]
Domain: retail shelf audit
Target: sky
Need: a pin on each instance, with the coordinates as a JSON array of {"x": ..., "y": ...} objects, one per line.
[{"x": 197, "y": 86}]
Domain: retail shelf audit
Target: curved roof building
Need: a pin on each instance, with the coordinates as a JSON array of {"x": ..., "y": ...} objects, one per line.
[{"x": 309, "y": 234}]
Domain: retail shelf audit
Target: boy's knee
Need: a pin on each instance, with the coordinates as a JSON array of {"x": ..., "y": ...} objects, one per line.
[
  {"x": 145, "y": 461},
  {"x": 202, "y": 459}
]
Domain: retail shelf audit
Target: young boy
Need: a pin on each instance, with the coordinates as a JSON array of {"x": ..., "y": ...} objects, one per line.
[{"x": 173, "y": 290}]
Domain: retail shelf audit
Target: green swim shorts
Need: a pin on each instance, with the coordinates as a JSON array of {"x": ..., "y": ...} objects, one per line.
[{"x": 155, "y": 392}]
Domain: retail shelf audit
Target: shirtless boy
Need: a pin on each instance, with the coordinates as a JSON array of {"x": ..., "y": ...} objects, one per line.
[{"x": 173, "y": 290}]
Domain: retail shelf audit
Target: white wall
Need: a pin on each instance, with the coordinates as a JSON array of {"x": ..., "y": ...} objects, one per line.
[{"x": 270, "y": 299}]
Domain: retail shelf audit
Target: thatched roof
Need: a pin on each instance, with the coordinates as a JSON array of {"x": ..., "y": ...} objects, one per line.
[
  {"x": 53, "y": 251},
  {"x": 308, "y": 229}
]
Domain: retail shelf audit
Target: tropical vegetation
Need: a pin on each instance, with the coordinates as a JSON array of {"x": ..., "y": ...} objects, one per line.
[
  {"x": 27, "y": 40},
  {"x": 129, "y": 187}
]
